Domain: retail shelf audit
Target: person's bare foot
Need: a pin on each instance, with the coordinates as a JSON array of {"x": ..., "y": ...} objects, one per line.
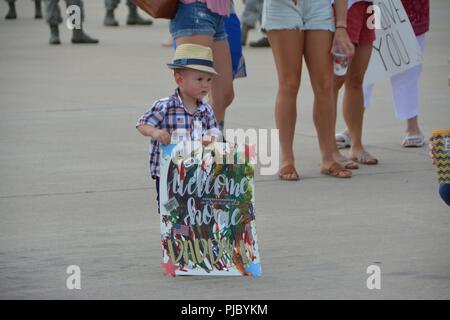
[
  {"x": 415, "y": 132},
  {"x": 344, "y": 161},
  {"x": 329, "y": 166},
  {"x": 362, "y": 156},
  {"x": 414, "y": 137},
  {"x": 336, "y": 170}
]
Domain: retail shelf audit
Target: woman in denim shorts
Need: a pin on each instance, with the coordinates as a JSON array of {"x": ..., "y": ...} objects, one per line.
[
  {"x": 298, "y": 28},
  {"x": 202, "y": 22}
]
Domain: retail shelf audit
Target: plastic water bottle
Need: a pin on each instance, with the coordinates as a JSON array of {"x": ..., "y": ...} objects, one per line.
[{"x": 340, "y": 61}]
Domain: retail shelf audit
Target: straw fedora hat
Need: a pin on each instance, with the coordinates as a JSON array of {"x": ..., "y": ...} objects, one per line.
[{"x": 193, "y": 56}]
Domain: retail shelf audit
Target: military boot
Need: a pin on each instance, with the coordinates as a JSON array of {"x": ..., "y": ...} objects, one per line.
[
  {"x": 37, "y": 9},
  {"x": 261, "y": 43},
  {"x": 79, "y": 36},
  {"x": 110, "y": 20},
  {"x": 54, "y": 34},
  {"x": 135, "y": 19},
  {"x": 12, "y": 11}
]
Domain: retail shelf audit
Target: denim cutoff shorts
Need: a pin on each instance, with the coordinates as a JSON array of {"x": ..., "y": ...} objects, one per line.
[
  {"x": 306, "y": 15},
  {"x": 195, "y": 19}
]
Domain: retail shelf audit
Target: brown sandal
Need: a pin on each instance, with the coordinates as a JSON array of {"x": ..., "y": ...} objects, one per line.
[
  {"x": 338, "y": 171},
  {"x": 288, "y": 170}
]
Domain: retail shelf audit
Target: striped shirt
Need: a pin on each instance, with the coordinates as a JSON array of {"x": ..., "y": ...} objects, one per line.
[{"x": 170, "y": 114}]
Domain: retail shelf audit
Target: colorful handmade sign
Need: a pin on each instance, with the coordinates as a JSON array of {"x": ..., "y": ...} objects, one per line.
[{"x": 207, "y": 210}]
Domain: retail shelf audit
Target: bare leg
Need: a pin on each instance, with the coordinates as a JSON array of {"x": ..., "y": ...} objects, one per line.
[
  {"x": 354, "y": 100},
  {"x": 222, "y": 92},
  {"x": 412, "y": 127},
  {"x": 319, "y": 62},
  {"x": 289, "y": 68},
  {"x": 338, "y": 83},
  {"x": 338, "y": 157},
  {"x": 414, "y": 136}
]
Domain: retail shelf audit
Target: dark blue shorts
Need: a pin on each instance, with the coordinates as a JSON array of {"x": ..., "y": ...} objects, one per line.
[{"x": 233, "y": 29}]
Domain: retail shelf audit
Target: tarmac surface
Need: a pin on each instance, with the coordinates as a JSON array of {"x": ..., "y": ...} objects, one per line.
[{"x": 74, "y": 188}]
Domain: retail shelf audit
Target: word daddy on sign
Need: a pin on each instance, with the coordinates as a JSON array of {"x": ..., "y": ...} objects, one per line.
[
  {"x": 207, "y": 210},
  {"x": 396, "y": 48}
]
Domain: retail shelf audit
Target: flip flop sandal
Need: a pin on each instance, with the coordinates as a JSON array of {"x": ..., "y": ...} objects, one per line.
[
  {"x": 415, "y": 141},
  {"x": 365, "y": 158},
  {"x": 342, "y": 140},
  {"x": 337, "y": 171},
  {"x": 347, "y": 163},
  {"x": 288, "y": 170}
]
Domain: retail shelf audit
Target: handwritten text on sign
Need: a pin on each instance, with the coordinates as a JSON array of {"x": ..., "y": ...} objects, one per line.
[{"x": 396, "y": 48}]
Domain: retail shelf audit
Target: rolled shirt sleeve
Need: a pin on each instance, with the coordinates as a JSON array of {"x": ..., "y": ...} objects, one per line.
[{"x": 154, "y": 116}]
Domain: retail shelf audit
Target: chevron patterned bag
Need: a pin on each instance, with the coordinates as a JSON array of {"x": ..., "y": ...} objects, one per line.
[{"x": 441, "y": 150}]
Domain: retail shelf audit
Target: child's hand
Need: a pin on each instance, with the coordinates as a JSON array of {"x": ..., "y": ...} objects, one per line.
[
  {"x": 162, "y": 136},
  {"x": 206, "y": 140}
]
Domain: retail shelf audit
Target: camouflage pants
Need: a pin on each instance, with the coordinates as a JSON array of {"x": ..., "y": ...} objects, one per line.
[
  {"x": 12, "y": 1},
  {"x": 252, "y": 12},
  {"x": 112, "y": 4},
  {"x": 53, "y": 12}
]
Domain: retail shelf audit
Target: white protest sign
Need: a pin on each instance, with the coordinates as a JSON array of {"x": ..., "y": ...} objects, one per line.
[{"x": 396, "y": 48}]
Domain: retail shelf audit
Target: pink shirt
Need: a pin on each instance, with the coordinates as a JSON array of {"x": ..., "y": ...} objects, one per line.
[{"x": 221, "y": 7}]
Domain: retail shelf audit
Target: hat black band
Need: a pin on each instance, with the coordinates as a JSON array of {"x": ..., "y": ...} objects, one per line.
[{"x": 201, "y": 62}]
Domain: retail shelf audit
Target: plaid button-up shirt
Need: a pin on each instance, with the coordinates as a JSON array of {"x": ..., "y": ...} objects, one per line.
[{"x": 170, "y": 114}]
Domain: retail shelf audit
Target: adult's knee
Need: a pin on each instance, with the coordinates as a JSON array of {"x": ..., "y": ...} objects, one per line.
[
  {"x": 289, "y": 85},
  {"x": 324, "y": 88},
  {"x": 355, "y": 81},
  {"x": 224, "y": 98},
  {"x": 338, "y": 82},
  {"x": 228, "y": 97}
]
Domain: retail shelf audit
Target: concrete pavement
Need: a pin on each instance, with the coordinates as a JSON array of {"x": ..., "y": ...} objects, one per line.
[{"x": 74, "y": 189}]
